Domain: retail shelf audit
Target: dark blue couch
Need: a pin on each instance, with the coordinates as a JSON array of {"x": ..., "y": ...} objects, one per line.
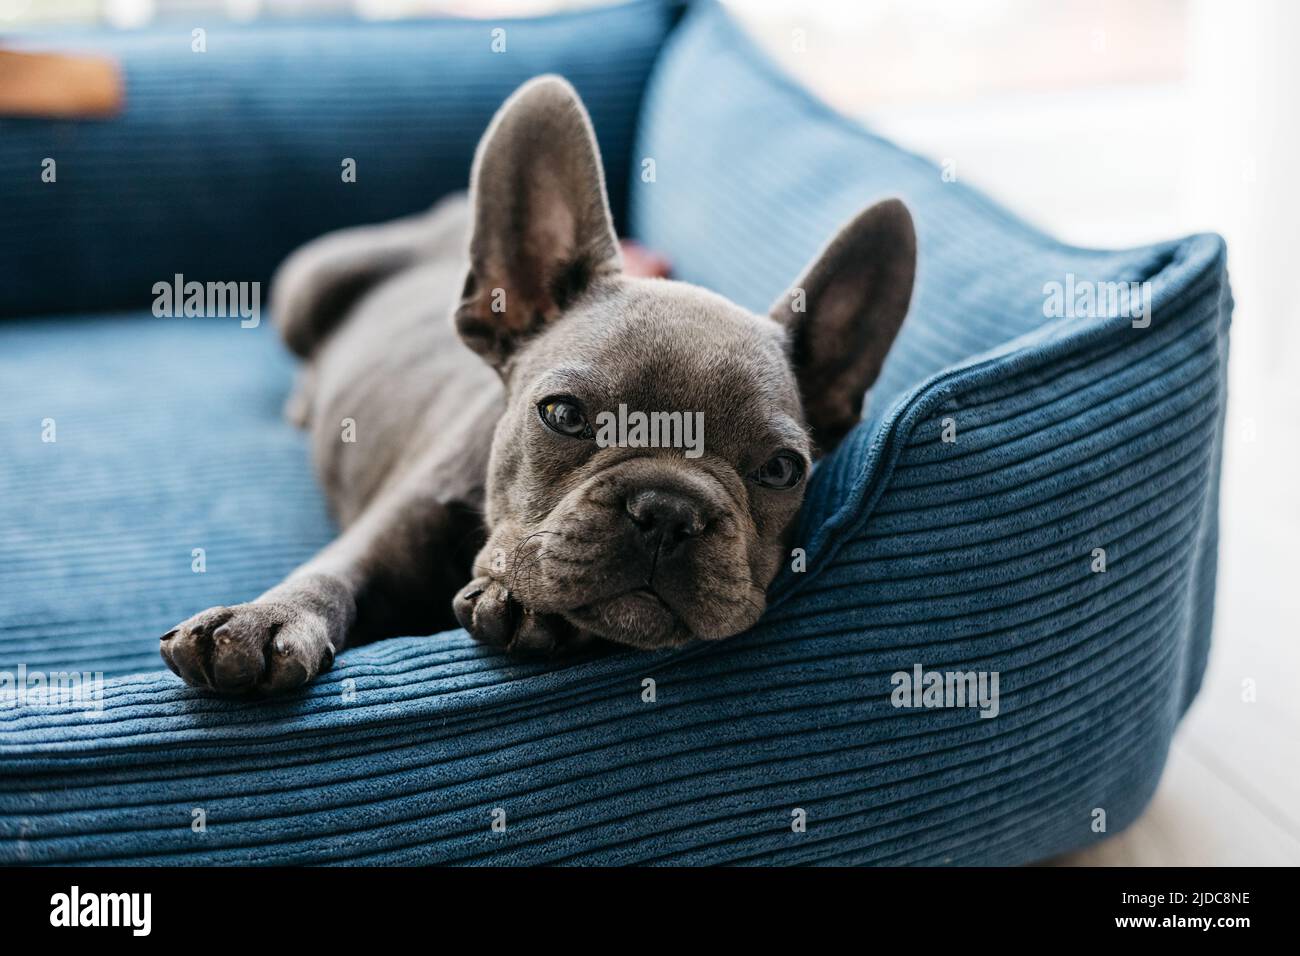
[{"x": 979, "y": 553}]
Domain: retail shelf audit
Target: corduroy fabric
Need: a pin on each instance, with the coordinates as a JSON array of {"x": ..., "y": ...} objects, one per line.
[
  {"x": 224, "y": 161},
  {"x": 971, "y": 555}
]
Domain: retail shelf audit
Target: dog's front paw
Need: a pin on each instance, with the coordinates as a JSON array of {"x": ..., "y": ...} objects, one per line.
[
  {"x": 486, "y": 609},
  {"x": 250, "y": 648}
]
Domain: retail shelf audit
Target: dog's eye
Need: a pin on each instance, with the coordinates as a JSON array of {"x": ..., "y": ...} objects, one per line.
[
  {"x": 562, "y": 415},
  {"x": 780, "y": 471}
]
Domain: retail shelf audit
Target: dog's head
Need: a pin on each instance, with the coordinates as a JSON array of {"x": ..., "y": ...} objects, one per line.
[{"x": 590, "y": 516}]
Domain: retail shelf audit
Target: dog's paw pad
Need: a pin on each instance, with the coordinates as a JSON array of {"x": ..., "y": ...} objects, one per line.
[
  {"x": 249, "y": 648},
  {"x": 485, "y": 608}
]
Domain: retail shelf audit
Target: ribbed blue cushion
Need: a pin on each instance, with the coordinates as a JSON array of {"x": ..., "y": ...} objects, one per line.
[
  {"x": 1072, "y": 434},
  {"x": 223, "y": 162}
]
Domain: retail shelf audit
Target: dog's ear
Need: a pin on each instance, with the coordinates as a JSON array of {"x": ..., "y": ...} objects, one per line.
[
  {"x": 843, "y": 313},
  {"x": 542, "y": 229}
]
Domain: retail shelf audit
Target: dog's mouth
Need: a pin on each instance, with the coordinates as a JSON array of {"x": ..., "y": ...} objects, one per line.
[
  {"x": 595, "y": 569},
  {"x": 639, "y": 617}
]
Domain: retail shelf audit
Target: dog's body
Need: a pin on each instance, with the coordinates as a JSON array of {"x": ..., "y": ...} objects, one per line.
[{"x": 455, "y": 451}]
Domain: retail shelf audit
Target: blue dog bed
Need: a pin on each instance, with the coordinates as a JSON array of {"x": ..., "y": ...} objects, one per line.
[{"x": 957, "y": 529}]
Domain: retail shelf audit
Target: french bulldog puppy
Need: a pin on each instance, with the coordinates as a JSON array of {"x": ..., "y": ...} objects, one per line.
[{"x": 455, "y": 365}]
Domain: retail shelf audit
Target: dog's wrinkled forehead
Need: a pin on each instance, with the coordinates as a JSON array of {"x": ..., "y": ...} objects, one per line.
[{"x": 656, "y": 345}]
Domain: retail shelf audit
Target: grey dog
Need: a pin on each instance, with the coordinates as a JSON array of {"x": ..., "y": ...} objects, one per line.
[{"x": 454, "y": 365}]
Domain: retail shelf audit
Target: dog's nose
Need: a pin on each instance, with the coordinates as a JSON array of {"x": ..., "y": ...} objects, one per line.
[{"x": 665, "y": 516}]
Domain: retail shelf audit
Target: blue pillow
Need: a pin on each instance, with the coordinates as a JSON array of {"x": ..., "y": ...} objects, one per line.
[{"x": 792, "y": 743}]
